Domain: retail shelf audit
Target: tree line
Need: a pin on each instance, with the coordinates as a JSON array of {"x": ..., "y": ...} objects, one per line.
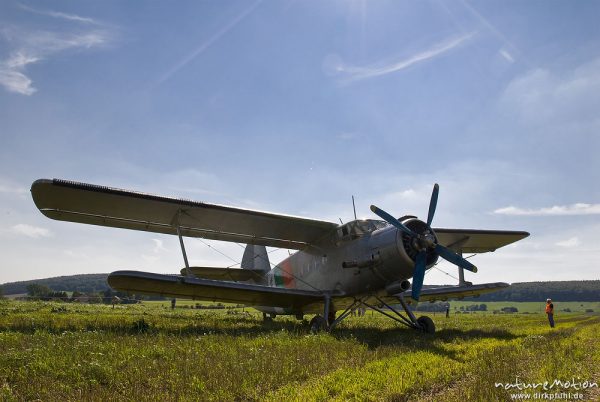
[
  {"x": 521, "y": 291},
  {"x": 555, "y": 290}
]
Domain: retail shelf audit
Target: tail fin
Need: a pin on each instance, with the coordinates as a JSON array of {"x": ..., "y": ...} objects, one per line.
[{"x": 256, "y": 258}]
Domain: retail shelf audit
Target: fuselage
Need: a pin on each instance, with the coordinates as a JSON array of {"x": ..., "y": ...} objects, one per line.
[{"x": 362, "y": 256}]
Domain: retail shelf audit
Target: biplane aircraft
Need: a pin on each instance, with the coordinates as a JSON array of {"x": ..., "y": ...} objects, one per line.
[{"x": 337, "y": 267}]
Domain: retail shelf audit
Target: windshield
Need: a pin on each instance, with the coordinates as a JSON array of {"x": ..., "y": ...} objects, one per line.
[{"x": 359, "y": 228}]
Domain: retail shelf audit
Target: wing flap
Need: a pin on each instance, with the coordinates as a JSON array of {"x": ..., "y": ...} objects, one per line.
[
  {"x": 211, "y": 290},
  {"x": 225, "y": 274},
  {"x": 477, "y": 241},
  {"x": 105, "y": 206}
]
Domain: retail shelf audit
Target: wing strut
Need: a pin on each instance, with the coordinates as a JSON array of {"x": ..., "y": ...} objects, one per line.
[
  {"x": 457, "y": 246},
  {"x": 185, "y": 260}
]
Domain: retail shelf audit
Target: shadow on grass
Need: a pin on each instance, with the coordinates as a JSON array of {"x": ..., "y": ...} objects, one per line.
[
  {"x": 223, "y": 325},
  {"x": 414, "y": 340},
  {"x": 251, "y": 325}
]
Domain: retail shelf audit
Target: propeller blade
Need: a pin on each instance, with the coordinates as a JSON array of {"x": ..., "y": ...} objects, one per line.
[
  {"x": 433, "y": 203},
  {"x": 454, "y": 258},
  {"x": 391, "y": 220},
  {"x": 419, "y": 274}
]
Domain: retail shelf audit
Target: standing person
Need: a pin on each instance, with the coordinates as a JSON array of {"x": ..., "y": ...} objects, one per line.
[{"x": 550, "y": 312}]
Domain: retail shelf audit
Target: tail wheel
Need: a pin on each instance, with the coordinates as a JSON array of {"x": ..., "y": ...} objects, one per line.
[
  {"x": 426, "y": 324},
  {"x": 317, "y": 324},
  {"x": 268, "y": 317}
]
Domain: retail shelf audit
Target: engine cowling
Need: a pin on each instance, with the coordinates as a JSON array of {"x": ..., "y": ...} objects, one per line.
[
  {"x": 412, "y": 246},
  {"x": 396, "y": 252}
]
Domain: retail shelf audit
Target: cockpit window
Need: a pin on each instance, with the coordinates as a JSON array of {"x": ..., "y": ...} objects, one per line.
[{"x": 355, "y": 229}]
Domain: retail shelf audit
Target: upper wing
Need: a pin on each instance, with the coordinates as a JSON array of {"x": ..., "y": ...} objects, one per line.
[
  {"x": 477, "y": 241},
  {"x": 105, "y": 206},
  {"x": 206, "y": 289}
]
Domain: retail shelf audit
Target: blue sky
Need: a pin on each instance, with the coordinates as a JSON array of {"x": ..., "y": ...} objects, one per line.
[{"x": 294, "y": 106}]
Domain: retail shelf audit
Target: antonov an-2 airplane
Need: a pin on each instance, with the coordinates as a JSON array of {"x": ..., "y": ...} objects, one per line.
[{"x": 337, "y": 268}]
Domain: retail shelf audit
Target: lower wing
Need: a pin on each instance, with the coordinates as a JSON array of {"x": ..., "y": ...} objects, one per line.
[
  {"x": 258, "y": 295},
  {"x": 212, "y": 290},
  {"x": 444, "y": 293}
]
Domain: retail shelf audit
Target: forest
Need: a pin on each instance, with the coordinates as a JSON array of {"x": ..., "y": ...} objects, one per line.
[{"x": 520, "y": 291}]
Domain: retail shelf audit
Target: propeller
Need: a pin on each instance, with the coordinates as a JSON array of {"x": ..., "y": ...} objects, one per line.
[{"x": 424, "y": 242}]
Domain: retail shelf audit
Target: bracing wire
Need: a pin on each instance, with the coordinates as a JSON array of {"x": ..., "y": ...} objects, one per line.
[
  {"x": 239, "y": 263},
  {"x": 444, "y": 272},
  {"x": 220, "y": 252}
]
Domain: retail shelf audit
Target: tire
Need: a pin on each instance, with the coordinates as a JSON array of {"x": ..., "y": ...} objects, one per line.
[
  {"x": 267, "y": 317},
  {"x": 317, "y": 324},
  {"x": 426, "y": 324}
]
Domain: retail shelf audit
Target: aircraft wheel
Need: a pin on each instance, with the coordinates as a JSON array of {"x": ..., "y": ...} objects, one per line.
[
  {"x": 267, "y": 317},
  {"x": 426, "y": 324},
  {"x": 317, "y": 324}
]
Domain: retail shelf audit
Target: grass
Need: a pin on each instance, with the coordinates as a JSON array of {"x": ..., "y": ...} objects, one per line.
[{"x": 54, "y": 351}]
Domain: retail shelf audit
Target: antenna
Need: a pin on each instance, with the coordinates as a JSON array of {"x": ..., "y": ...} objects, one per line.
[{"x": 354, "y": 207}]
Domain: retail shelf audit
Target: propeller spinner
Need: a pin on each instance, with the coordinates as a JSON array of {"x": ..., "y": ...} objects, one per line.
[{"x": 424, "y": 242}]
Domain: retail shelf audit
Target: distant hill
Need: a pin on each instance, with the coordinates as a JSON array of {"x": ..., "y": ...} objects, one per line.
[
  {"x": 88, "y": 283},
  {"x": 536, "y": 291},
  {"x": 520, "y": 291}
]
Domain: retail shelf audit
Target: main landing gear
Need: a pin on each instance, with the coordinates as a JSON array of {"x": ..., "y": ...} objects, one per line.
[{"x": 423, "y": 323}]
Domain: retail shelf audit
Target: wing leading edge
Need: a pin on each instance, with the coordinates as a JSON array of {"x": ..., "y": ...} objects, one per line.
[{"x": 106, "y": 206}]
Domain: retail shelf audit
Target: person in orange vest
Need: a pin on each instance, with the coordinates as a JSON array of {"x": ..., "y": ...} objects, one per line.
[{"x": 550, "y": 312}]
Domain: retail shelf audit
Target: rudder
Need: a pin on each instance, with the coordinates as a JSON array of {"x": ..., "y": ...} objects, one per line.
[{"x": 256, "y": 258}]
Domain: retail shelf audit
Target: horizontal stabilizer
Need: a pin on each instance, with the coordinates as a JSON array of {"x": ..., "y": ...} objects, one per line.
[{"x": 225, "y": 274}]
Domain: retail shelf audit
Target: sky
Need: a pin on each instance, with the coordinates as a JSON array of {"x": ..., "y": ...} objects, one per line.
[{"x": 293, "y": 107}]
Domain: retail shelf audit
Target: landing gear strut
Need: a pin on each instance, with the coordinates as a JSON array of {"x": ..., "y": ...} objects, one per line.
[{"x": 423, "y": 323}]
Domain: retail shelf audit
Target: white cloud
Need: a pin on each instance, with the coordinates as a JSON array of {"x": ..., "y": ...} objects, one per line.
[
  {"x": 557, "y": 210},
  {"x": 8, "y": 189},
  {"x": 346, "y": 136},
  {"x": 158, "y": 246},
  {"x": 334, "y": 65},
  {"x": 569, "y": 243},
  {"x": 150, "y": 258},
  {"x": 29, "y": 46},
  {"x": 31, "y": 231},
  {"x": 507, "y": 56},
  {"x": 545, "y": 98},
  {"x": 11, "y": 76},
  {"x": 77, "y": 255},
  {"x": 57, "y": 14}
]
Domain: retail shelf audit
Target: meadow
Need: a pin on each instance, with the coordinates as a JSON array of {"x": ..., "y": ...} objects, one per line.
[{"x": 56, "y": 351}]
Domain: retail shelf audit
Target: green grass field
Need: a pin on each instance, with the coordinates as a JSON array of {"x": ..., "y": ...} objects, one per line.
[{"x": 53, "y": 351}]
